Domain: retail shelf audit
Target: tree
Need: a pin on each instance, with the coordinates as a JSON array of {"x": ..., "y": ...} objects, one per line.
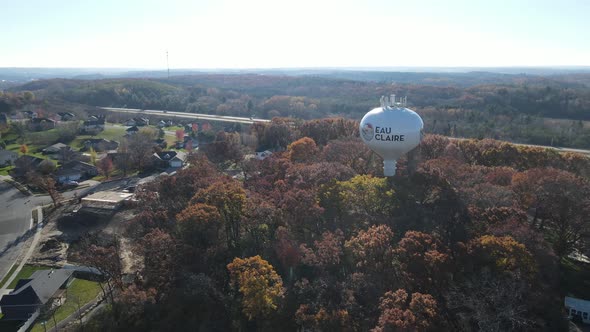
[
  {"x": 225, "y": 147},
  {"x": 423, "y": 259},
  {"x": 401, "y": 312},
  {"x": 200, "y": 225},
  {"x": 179, "y": 135},
  {"x": 372, "y": 250},
  {"x": 328, "y": 251},
  {"x": 24, "y": 149},
  {"x": 47, "y": 184},
  {"x": 503, "y": 254},
  {"x": 93, "y": 156},
  {"x": 560, "y": 202},
  {"x": 261, "y": 287},
  {"x": 229, "y": 198},
  {"x": 105, "y": 258},
  {"x": 158, "y": 249},
  {"x": 105, "y": 166},
  {"x": 140, "y": 148},
  {"x": 302, "y": 150}
]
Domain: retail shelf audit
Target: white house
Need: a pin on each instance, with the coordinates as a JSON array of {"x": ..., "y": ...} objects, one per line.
[
  {"x": 165, "y": 159},
  {"x": 578, "y": 307},
  {"x": 7, "y": 157},
  {"x": 263, "y": 155}
]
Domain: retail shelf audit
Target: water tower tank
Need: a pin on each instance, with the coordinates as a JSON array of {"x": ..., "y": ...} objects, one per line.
[{"x": 391, "y": 130}]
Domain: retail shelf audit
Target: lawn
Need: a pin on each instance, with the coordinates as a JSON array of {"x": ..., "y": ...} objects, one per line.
[
  {"x": 7, "y": 276},
  {"x": 79, "y": 293},
  {"x": 26, "y": 272},
  {"x": 110, "y": 133},
  {"x": 5, "y": 170}
]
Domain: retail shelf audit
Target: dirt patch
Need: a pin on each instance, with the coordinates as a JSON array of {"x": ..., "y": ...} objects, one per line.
[{"x": 66, "y": 225}]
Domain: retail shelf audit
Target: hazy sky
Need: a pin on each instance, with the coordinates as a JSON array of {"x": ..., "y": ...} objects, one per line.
[{"x": 298, "y": 33}]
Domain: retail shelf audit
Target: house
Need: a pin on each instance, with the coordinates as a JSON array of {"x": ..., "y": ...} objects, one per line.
[
  {"x": 263, "y": 155},
  {"x": 7, "y": 157},
  {"x": 105, "y": 200},
  {"x": 100, "y": 144},
  {"x": 578, "y": 308},
  {"x": 29, "y": 114},
  {"x": 32, "y": 293},
  {"x": 40, "y": 124},
  {"x": 55, "y": 148},
  {"x": 66, "y": 116},
  {"x": 74, "y": 171},
  {"x": 63, "y": 175},
  {"x": 132, "y": 130},
  {"x": 170, "y": 158},
  {"x": 140, "y": 122},
  {"x": 161, "y": 143},
  {"x": 188, "y": 143},
  {"x": 24, "y": 164},
  {"x": 94, "y": 123}
]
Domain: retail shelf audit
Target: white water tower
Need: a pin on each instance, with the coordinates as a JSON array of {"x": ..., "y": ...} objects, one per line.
[{"x": 391, "y": 130}]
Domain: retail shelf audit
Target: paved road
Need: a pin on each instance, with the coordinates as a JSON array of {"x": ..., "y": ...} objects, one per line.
[
  {"x": 185, "y": 115},
  {"x": 16, "y": 221}
]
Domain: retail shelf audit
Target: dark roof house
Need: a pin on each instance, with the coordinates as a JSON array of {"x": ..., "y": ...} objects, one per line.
[
  {"x": 66, "y": 116},
  {"x": 170, "y": 158},
  {"x": 132, "y": 130},
  {"x": 94, "y": 123},
  {"x": 26, "y": 163},
  {"x": 55, "y": 148},
  {"x": 39, "y": 124},
  {"x": 100, "y": 144},
  {"x": 31, "y": 293}
]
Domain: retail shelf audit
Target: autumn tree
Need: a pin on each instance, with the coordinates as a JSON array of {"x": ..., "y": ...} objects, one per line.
[
  {"x": 105, "y": 166},
  {"x": 352, "y": 153},
  {"x": 503, "y": 254},
  {"x": 24, "y": 149},
  {"x": 229, "y": 198},
  {"x": 403, "y": 312},
  {"x": 131, "y": 305},
  {"x": 327, "y": 252},
  {"x": 158, "y": 249},
  {"x": 140, "y": 147},
  {"x": 302, "y": 150},
  {"x": 200, "y": 225},
  {"x": 179, "y": 135},
  {"x": 372, "y": 251},
  {"x": 424, "y": 260},
  {"x": 47, "y": 184},
  {"x": 225, "y": 147},
  {"x": 105, "y": 258},
  {"x": 258, "y": 283},
  {"x": 560, "y": 202}
]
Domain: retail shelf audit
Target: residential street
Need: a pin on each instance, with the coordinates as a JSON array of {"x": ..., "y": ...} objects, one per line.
[{"x": 16, "y": 220}]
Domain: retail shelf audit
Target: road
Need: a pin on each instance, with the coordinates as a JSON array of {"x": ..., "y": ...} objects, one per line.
[
  {"x": 185, "y": 115},
  {"x": 16, "y": 224}
]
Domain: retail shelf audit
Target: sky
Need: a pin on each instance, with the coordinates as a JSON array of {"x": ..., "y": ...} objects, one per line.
[{"x": 293, "y": 34}]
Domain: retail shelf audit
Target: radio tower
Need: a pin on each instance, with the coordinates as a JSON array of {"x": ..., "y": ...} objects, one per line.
[{"x": 167, "y": 65}]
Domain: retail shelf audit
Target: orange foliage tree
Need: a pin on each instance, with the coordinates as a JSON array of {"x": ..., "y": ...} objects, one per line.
[{"x": 259, "y": 284}]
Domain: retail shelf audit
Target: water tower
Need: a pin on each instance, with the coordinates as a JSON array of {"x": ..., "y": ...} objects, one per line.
[{"x": 391, "y": 130}]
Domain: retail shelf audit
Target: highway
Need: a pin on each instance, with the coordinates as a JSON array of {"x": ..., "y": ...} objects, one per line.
[{"x": 170, "y": 114}]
